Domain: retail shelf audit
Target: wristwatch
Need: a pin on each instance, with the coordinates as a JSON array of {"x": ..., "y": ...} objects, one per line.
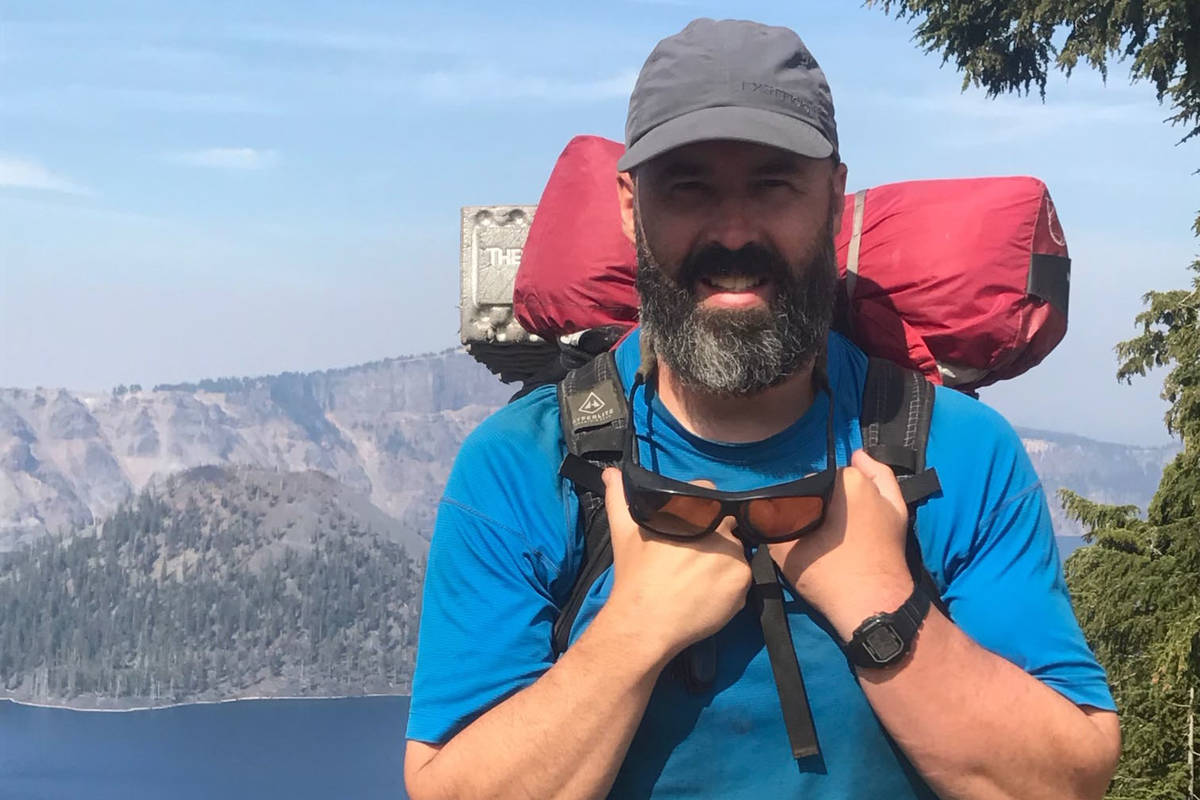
[{"x": 884, "y": 639}]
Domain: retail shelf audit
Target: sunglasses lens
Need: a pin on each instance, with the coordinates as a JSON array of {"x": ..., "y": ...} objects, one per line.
[
  {"x": 778, "y": 518},
  {"x": 674, "y": 514}
]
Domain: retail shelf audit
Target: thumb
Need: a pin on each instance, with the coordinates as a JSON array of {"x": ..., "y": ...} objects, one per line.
[
  {"x": 615, "y": 504},
  {"x": 727, "y": 525},
  {"x": 882, "y": 476}
]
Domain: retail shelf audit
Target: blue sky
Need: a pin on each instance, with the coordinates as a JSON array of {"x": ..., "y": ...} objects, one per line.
[{"x": 199, "y": 189}]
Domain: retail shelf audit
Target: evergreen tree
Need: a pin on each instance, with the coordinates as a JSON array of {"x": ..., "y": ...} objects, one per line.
[
  {"x": 1137, "y": 589},
  {"x": 176, "y": 601},
  {"x": 1137, "y": 586}
]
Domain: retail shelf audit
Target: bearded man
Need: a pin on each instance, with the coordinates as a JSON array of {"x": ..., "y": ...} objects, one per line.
[{"x": 732, "y": 189}]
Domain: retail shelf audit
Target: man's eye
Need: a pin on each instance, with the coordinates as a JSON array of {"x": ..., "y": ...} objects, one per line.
[
  {"x": 774, "y": 183},
  {"x": 690, "y": 187}
]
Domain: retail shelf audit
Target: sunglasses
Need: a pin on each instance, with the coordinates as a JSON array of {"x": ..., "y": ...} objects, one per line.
[{"x": 681, "y": 510}]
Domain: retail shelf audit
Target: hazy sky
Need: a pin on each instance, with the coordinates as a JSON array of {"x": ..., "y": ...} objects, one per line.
[{"x": 198, "y": 189}]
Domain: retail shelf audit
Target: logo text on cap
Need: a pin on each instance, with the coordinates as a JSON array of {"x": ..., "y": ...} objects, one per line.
[{"x": 779, "y": 94}]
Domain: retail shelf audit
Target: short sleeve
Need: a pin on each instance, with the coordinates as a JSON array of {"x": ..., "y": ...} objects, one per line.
[
  {"x": 997, "y": 557},
  {"x": 485, "y": 623},
  {"x": 498, "y": 549}
]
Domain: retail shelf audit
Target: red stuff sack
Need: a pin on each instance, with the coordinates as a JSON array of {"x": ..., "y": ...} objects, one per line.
[
  {"x": 577, "y": 268},
  {"x": 964, "y": 280}
]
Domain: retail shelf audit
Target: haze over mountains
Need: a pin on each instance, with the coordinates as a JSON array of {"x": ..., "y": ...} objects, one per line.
[{"x": 388, "y": 430}]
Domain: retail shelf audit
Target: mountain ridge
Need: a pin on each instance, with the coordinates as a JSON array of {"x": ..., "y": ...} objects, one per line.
[
  {"x": 387, "y": 428},
  {"x": 383, "y": 428}
]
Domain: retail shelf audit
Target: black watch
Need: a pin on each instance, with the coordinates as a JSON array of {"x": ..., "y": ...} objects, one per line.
[{"x": 884, "y": 639}]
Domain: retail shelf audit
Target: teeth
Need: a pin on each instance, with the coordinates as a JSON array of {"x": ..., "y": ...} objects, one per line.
[{"x": 734, "y": 283}]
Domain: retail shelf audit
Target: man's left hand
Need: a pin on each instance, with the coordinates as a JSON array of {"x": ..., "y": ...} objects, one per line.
[{"x": 853, "y": 565}]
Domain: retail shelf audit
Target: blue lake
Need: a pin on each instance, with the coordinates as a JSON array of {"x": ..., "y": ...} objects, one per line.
[{"x": 296, "y": 749}]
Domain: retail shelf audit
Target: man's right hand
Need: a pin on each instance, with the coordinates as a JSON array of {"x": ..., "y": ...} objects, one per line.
[
  {"x": 566, "y": 734},
  {"x": 673, "y": 592}
]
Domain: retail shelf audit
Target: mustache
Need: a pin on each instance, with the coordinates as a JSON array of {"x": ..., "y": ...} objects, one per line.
[{"x": 753, "y": 260}]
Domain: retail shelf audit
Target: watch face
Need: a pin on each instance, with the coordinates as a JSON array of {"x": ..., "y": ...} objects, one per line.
[{"x": 883, "y": 643}]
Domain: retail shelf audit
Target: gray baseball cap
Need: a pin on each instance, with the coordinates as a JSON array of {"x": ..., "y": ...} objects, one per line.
[{"x": 730, "y": 79}]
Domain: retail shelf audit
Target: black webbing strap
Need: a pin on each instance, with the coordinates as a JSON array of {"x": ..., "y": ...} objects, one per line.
[
  {"x": 594, "y": 412},
  {"x": 916, "y": 567},
  {"x": 897, "y": 408},
  {"x": 896, "y": 413},
  {"x": 581, "y": 472},
  {"x": 793, "y": 700},
  {"x": 916, "y": 488},
  {"x": 597, "y": 545},
  {"x": 593, "y": 567}
]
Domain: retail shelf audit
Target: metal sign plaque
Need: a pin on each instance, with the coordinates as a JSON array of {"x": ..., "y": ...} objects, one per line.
[{"x": 493, "y": 238}]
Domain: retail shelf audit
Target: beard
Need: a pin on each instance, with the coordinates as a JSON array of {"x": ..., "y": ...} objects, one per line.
[{"x": 738, "y": 352}]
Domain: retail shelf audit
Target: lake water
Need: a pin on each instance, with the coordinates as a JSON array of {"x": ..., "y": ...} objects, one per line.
[{"x": 295, "y": 749}]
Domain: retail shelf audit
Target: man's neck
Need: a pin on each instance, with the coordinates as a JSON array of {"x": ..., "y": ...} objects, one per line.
[{"x": 737, "y": 419}]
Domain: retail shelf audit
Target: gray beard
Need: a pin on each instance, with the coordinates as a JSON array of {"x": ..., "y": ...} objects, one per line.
[{"x": 737, "y": 353}]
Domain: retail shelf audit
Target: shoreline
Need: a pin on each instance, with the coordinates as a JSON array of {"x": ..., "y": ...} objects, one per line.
[{"x": 66, "y": 707}]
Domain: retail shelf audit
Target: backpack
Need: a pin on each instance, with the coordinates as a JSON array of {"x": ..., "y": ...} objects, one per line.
[{"x": 897, "y": 408}]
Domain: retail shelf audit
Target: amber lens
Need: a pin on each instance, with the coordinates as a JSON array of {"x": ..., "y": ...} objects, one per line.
[
  {"x": 780, "y": 517},
  {"x": 675, "y": 514}
]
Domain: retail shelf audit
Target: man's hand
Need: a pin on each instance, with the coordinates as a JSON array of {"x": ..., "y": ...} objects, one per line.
[
  {"x": 566, "y": 734},
  {"x": 853, "y": 565},
  {"x": 673, "y": 592}
]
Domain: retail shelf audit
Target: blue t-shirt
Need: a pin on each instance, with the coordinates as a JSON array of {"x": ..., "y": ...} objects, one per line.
[{"x": 506, "y": 549}]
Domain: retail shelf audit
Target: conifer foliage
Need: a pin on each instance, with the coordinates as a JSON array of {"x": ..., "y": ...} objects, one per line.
[
  {"x": 1136, "y": 589},
  {"x": 177, "y": 599}
]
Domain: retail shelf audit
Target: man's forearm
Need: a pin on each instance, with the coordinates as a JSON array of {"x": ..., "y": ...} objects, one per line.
[
  {"x": 976, "y": 726},
  {"x": 564, "y": 736}
]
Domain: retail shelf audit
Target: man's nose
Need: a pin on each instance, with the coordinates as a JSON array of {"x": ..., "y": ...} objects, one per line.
[{"x": 733, "y": 224}]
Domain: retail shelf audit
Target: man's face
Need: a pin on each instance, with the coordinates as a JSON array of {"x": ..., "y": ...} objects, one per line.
[{"x": 736, "y": 265}]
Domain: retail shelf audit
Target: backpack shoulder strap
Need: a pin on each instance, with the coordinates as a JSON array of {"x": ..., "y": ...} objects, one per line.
[
  {"x": 592, "y": 407},
  {"x": 594, "y": 413},
  {"x": 897, "y": 409}
]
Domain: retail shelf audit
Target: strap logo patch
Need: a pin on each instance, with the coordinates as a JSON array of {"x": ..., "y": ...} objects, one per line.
[
  {"x": 593, "y": 404},
  {"x": 596, "y": 405}
]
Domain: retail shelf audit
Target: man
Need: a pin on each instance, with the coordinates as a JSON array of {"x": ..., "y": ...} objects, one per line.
[{"x": 733, "y": 194}]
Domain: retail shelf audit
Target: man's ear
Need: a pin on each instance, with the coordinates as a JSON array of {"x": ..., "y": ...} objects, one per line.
[
  {"x": 837, "y": 191},
  {"x": 625, "y": 200}
]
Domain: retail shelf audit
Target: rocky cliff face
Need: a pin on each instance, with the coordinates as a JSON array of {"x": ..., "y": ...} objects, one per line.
[
  {"x": 1110, "y": 473},
  {"x": 388, "y": 430}
]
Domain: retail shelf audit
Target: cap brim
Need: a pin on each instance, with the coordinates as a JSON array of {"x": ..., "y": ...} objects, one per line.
[{"x": 728, "y": 122}]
